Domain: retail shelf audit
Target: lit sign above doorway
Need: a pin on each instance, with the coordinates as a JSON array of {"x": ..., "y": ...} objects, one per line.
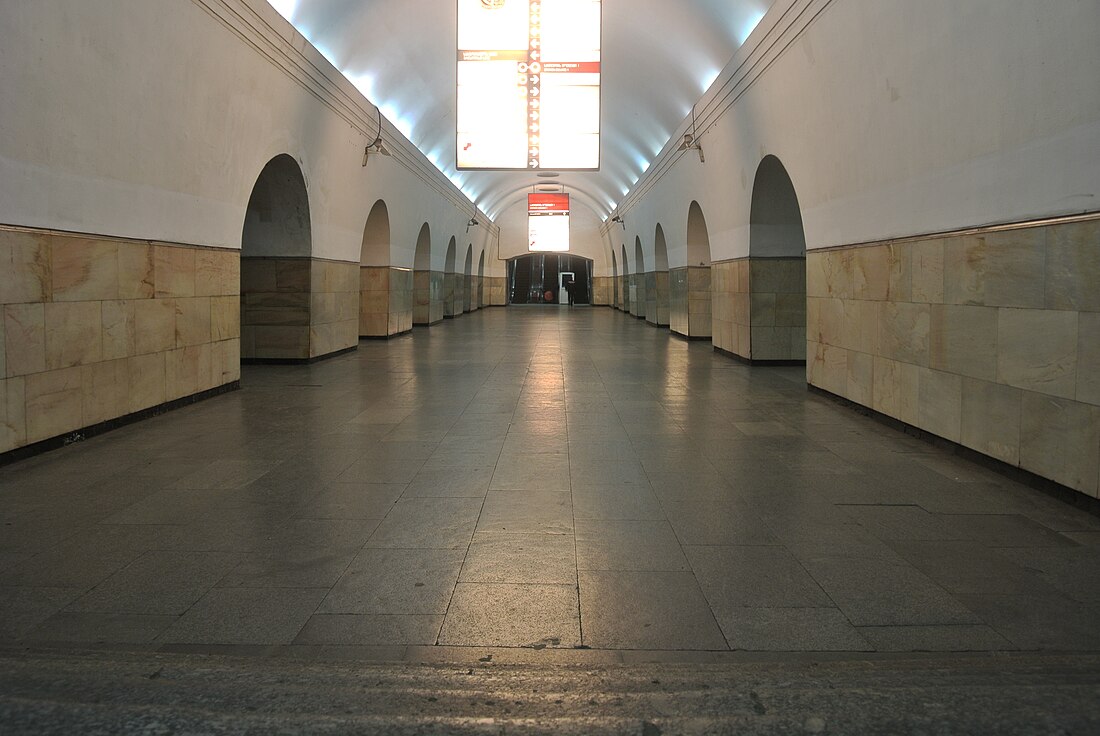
[
  {"x": 548, "y": 222},
  {"x": 529, "y": 84}
]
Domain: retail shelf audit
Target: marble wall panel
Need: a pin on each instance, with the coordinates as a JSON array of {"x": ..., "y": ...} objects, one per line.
[
  {"x": 54, "y": 403},
  {"x": 386, "y": 300},
  {"x": 24, "y": 267},
  {"x": 104, "y": 391},
  {"x": 1088, "y": 358},
  {"x": 449, "y": 294},
  {"x": 996, "y": 269},
  {"x": 74, "y": 334},
  {"x": 1073, "y": 267},
  {"x": 13, "y": 416},
  {"x": 137, "y": 270},
  {"x": 963, "y": 340},
  {"x": 24, "y": 339},
  {"x": 1037, "y": 350},
  {"x": 174, "y": 271},
  {"x": 985, "y": 338},
  {"x": 84, "y": 270}
]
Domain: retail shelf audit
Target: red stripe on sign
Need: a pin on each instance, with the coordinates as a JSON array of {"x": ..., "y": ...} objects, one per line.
[
  {"x": 542, "y": 203},
  {"x": 566, "y": 67}
]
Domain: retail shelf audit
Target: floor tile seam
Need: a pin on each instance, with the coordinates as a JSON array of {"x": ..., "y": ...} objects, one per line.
[
  {"x": 691, "y": 568},
  {"x": 465, "y": 557}
]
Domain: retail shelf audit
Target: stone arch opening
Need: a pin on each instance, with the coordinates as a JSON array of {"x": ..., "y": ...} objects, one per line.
[
  {"x": 468, "y": 280},
  {"x": 276, "y": 250},
  {"x": 637, "y": 281},
  {"x": 427, "y": 284},
  {"x": 451, "y": 287},
  {"x": 481, "y": 280},
  {"x": 625, "y": 281},
  {"x": 776, "y": 268},
  {"x": 385, "y": 291},
  {"x": 615, "y": 281},
  {"x": 690, "y": 286},
  {"x": 656, "y": 281}
]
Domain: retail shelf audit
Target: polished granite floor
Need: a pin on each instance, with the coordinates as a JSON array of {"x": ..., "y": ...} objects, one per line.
[{"x": 539, "y": 478}]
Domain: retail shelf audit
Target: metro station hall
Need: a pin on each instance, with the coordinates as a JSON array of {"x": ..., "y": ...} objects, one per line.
[{"x": 709, "y": 366}]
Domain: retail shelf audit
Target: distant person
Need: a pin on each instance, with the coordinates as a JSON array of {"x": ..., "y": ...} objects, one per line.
[{"x": 571, "y": 290}]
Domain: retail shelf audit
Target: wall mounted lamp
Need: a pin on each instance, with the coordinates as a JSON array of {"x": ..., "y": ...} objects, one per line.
[
  {"x": 691, "y": 140},
  {"x": 619, "y": 220},
  {"x": 377, "y": 146}
]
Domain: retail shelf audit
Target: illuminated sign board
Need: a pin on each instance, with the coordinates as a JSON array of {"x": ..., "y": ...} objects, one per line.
[
  {"x": 548, "y": 222},
  {"x": 529, "y": 84}
]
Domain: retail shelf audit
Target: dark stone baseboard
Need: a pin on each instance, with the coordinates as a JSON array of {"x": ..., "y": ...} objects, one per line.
[
  {"x": 1046, "y": 485},
  {"x": 27, "y": 451},
  {"x": 298, "y": 361},
  {"x": 385, "y": 337},
  {"x": 761, "y": 363}
]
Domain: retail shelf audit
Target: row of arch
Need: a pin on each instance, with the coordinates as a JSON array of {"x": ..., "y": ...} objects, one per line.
[
  {"x": 295, "y": 306},
  {"x": 763, "y": 295}
]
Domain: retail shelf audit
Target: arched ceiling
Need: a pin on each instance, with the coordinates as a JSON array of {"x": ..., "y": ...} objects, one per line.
[{"x": 659, "y": 56}]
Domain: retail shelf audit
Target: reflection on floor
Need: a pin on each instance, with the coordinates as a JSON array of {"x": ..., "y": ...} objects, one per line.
[{"x": 549, "y": 479}]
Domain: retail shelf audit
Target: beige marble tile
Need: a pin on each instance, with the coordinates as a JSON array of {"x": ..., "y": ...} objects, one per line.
[
  {"x": 991, "y": 419},
  {"x": 54, "y": 403},
  {"x": 999, "y": 269},
  {"x": 217, "y": 272},
  {"x": 146, "y": 375},
  {"x": 225, "y": 317},
  {"x": 904, "y": 332},
  {"x": 74, "y": 334},
  {"x": 225, "y": 362},
  {"x": 927, "y": 271},
  {"x": 174, "y": 270},
  {"x": 13, "y": 414},
  {"x": 963, "y": 340},
  {"x": 1037, "y": 350},
  {"x": 1073, "y": 266},
  {"x": 790, "y": 310},
  {"x": 24, "y": 267},
  {"x": 276, "y": 341},
  {"x": 259, "y": 275},
  {"x": 105, "y": 388},
  {"x": 861, "y": 377},
  {"x": 870, "y": 272},
  {"x": 940, "y": 410},
  {"x": 1060, "y": 439},
  {"x": 897, "y": 389},
  {"x": 374, "y": 278},
  {"x": 192, "y": 321},
  {"x": 762, "y": 309},
  {"x": 24, "y": 339},
  {"x": 83, "y": 269},
  {"x": 155, "y": 325},
  {"x": 119, "y": 327},
  {"x": 1088, "y": 358},
  {"x": 136, "y": 271},
  {"x": 186, "y": 371},
  {"x": 827, "y": 368},
  {"x": 859, "y": 327},
  {"x": 3, "y": 348},
  {"x": 293, "y": 274},
  {"x": 771, "y": 343}
]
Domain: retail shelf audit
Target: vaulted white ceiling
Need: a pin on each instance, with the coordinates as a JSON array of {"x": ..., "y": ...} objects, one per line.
[{"x": 659, "y": 56}]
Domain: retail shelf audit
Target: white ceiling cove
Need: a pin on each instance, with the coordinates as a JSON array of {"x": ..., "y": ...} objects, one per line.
[{"x": 659, "y": 56}]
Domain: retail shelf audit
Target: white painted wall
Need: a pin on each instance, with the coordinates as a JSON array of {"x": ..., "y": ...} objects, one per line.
[
  {"x": 152, "y": 119},
  {"x": 894, "y": 118}
]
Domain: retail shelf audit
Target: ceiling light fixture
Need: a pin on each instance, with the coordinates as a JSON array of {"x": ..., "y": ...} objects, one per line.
[
  {"x": 377, "y": 146},
  {"x": 691, "y": 140}
]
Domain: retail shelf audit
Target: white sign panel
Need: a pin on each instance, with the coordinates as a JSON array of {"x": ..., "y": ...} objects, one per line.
[
  {"x": 548, "y": 222},
  {"x": 529, "y": 84}
]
